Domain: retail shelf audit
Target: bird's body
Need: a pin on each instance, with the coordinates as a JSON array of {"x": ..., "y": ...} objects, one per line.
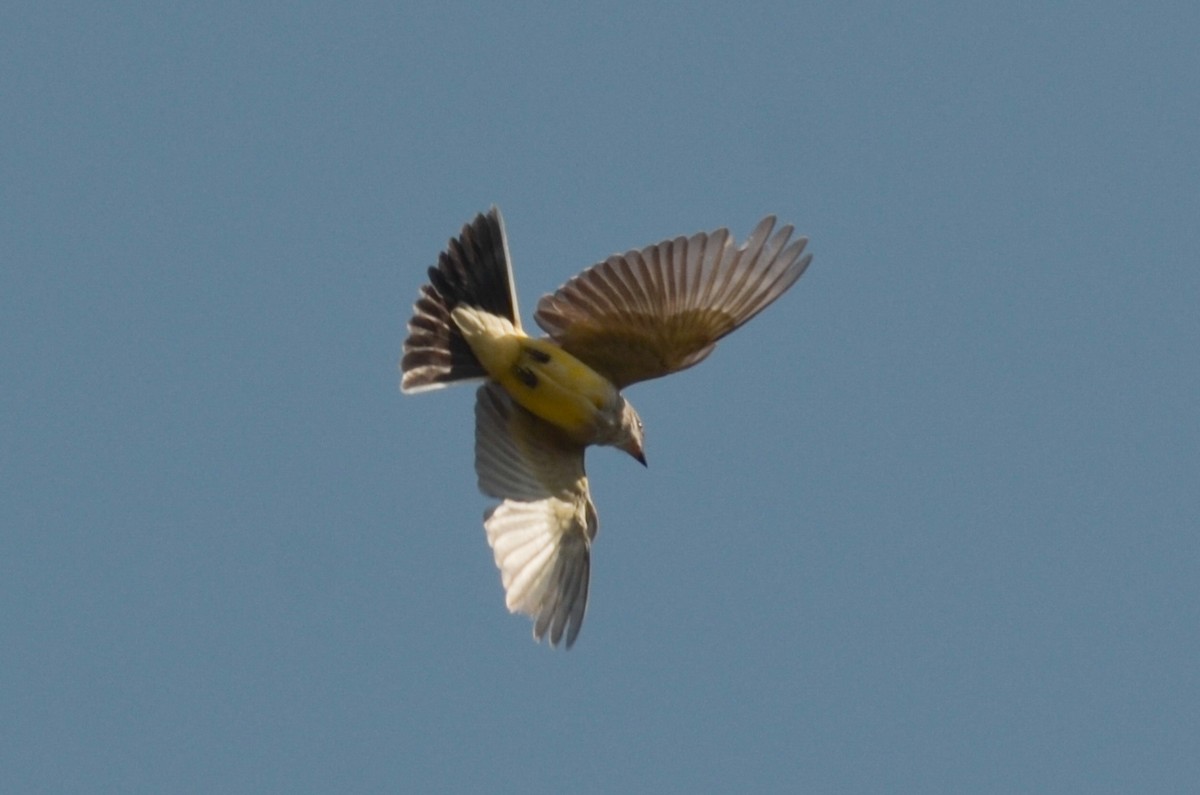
[
  {"x": 540, "y": 376},
  {"x": 633, "y": 317}
]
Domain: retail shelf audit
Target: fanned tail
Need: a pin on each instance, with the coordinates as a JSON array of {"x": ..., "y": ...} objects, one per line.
[{"x": 474, "y": 270}]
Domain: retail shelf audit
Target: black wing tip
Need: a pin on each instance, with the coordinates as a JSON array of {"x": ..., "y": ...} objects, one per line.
[
  {"x": 561, "y": 621},
  {"x": 564, "y": 640}
]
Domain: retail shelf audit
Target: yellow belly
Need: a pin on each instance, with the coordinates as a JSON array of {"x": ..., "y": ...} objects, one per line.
[
  {"x": 539, "y": 375},
  {"x": 557, "y": 387}
]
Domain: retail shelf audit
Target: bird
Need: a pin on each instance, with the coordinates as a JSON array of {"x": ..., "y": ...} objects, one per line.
[{"x": 541, "y": 401}]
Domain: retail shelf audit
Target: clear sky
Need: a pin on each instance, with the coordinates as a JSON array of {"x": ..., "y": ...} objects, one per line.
[{"x": 930, "y": 523}]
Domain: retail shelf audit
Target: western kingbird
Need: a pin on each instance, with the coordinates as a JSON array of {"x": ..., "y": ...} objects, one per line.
[{"x": 633, "y": 317}]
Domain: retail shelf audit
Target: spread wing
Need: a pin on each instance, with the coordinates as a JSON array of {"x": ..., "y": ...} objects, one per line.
[
  {"x": 541, "y": 532},
  {"x": 644, "y": 314}
]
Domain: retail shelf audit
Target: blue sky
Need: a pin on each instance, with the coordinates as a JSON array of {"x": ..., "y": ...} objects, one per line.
[{"x": 929, "y": 523}]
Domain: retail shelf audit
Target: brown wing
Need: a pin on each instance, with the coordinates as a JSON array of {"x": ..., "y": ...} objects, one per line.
[
  {"x": 541, "y": 532},
  {"x": 644, "y": 314}
]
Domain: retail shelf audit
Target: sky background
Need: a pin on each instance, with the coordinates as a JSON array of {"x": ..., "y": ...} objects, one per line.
[{"x": 929, "y": 523}]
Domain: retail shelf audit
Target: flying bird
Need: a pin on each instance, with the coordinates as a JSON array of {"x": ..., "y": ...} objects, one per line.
[{"x": 635, "y": 316}]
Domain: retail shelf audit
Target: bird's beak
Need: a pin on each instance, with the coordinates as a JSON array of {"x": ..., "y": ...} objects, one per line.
[{"x": 633, "y": 446}]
